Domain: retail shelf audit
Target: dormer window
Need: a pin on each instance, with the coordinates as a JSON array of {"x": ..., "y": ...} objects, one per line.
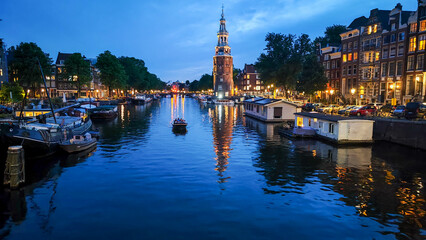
[
  {"x": 370, "y": 29},
  {"x": 375, "y": 28}
]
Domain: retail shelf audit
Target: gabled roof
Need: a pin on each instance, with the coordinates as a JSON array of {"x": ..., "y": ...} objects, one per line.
[
  {"x": 358, "y": 22},
  {"x": 62, "y": 56}
]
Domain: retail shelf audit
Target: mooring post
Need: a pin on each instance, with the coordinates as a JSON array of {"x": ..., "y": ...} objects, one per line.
[{"x": 14, "y": 173}]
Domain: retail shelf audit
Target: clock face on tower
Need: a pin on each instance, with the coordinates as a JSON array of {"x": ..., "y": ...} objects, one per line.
[{"x": 223, "y": 63}]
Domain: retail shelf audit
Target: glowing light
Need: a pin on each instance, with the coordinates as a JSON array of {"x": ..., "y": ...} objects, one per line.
[
  {"x": 353, "y": 90},
  {"x": 391, "y": 86},
  {"x": 331, "y": 91}
]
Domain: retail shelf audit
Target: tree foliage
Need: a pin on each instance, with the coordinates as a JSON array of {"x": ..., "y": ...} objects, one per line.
[
  {"x": 204, "y": 83},
  {"x": 76, "y": 66},
  {"x": 14, "y": 88},
  {"x": 281, "y": 63},
  {"x": 24, "y": 64},
  {"x": 312, "y": 77},
  {"x": 113, "y": 74},
  {"x": 331, "y": 36},
  {"x": 138, "y": 75}
]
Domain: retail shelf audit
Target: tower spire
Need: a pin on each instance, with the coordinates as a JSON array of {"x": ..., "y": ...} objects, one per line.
[{"x": 223, "y": 15}]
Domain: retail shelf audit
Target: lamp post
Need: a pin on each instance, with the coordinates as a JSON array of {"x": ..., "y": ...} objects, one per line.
[{"x": 353, "y": 90}]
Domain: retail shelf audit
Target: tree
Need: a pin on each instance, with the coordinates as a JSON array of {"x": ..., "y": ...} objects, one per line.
[
  {"x": 113, "y": 74},
  {"x": 331, "y": 36},
  {"x": 281, "y": 63},
  {"x": 205, "y": 82},
  {"x": 24, "y": 65},
  {"x": 194, "y": 85},
  {"x": 14, "y": 88},
  {"x": 235, "y": 73},
  {"x": 79, "y": 68},
  {"x": 312, "y": 78},
  {"x": 136, "y": 71}
]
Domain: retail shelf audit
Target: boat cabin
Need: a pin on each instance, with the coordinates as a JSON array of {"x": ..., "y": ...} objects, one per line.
[
  {"x": 270, "y": 110},
  {"x": 337, "y": 128}
]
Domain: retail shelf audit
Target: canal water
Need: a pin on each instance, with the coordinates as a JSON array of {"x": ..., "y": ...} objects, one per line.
[{"x": 228, "y": 177}]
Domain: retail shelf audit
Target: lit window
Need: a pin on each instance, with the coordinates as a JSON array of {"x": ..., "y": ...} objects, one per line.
[
  {"x": 375, "y": 28},
  {"x": 355, "y": 56},
  {"x": 377, "y": 56},
  {"x": 1, "y": 72},
  {"x": 344, "y": 58},
  {"x": 370, "y": 29},
  {"x": 413, "y": 27},
  {"x": 248, "y": 76},
  {"x": 422, "y": 26},
  {"x": 412, "y": 46},
  {"x": 350, "y": 57},
  {"x": 422, "y": 42}
]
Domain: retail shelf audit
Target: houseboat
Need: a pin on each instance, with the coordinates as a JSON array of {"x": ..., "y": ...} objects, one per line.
[
  {"x": 336, "y": 129},
  {"x": 224, "y": 102},
  {"x": 104, "y": 112},
  {"x": 270, "y": 110}
]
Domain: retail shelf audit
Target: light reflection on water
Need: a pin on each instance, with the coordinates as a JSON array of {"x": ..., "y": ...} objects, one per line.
[{"x": 228, "y": 177}]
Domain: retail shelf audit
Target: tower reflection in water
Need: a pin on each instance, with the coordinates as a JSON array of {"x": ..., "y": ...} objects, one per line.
[{"x": 223, "y": 118}]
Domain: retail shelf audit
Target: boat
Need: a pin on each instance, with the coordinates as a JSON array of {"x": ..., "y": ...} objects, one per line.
[
  {"x": 104, "y": 112},
  {"x": 78, "y": 143},
  {"x": 179, "y": 125},
  {"x": 138, "y": 99},
  {"x": 223, "y": 102}
]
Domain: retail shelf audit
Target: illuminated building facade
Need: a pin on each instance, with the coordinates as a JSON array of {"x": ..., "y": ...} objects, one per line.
[{"x": 223, "y": 63}]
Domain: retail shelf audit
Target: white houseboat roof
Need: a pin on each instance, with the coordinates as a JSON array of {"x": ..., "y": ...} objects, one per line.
[
  {"x": 330, "y": 118},
  {"x": 267, "y": 101}
]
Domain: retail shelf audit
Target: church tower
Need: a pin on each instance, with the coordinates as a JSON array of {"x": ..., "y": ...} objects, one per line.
[{"x": 223, "y": 63}]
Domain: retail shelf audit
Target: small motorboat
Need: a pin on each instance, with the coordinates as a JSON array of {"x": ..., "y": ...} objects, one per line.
[
  {"x": 179, "y": 125},
  {"x": 78, "y": 143}
]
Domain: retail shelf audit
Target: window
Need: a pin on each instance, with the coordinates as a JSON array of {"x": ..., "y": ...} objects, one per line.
[
  {"x": 379, "y": 40},
  {"x": 356, "y": 45},
  {"x": 344, "y": 58},
  {"x": 401, "y": 36},
  {"x": 384, "y": 69},
  {"x": 354, "y": 69},
  {"x": 375, "y": 28},
  {"x": 392, "y": 52},
  {"x": 1, "y": 72},
  {"x": 413, "y": 27},
  {"x": 333, "y": 64},
  {"x": 355, "y": 56},
  {"x": 410, "y": 85},
  {"x": 410, "y": 63},
  {"x": 393, "y": 38},
  {"x": 350, "y": 46},
  {"x": 392, "y": 69},
  {"x": 377, "y": 56},
  {"x": 344, "y": 71},
  {"x": 370, "y": 29},
  {"x": 385, "y": 53},
  {"x": 420, "y": 61},
  {"x": 328, "y": 65},
  {"x": 422, "y": 41},
  {"x": 399, "y": 68},
  {"x": 412, "y": 46},
  {"x": 393, "y": 27},
  {"x": 331, "y": 128},
  {"x": 401, "y": 50},
  {"x": 349, "y": 70},
  {"x": 248, "y": 76},
  {"x": 422, "y": 26},
  {"x": 350, "y": 57},
  {"x": 385, "y": 40},
  {"x": 344, "y": 47},
  {"x": 373, "y": 42}
]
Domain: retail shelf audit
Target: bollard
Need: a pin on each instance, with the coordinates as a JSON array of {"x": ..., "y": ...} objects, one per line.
[{"x": 14, "y": 173}]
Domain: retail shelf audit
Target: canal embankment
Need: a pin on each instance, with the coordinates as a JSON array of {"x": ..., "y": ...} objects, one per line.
[{"x": 404, "y": 132}]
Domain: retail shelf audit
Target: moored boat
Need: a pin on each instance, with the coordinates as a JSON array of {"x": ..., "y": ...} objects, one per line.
[
  {"x": 78, "y": 143},
  {"x": 104, "y": 112}
]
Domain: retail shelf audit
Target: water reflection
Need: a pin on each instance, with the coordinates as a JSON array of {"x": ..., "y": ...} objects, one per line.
[{"x": 142, "y": 176}]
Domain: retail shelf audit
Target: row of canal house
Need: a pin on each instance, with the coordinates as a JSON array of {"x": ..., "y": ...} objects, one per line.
[{"x": 382, "y": 57}]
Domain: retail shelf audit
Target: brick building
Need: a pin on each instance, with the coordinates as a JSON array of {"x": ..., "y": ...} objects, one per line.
[
  {"x": 250, "y": 81},
  {"x": 330, "y": 57}
]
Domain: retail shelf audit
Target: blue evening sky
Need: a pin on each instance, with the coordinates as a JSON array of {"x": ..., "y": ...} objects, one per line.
[{"x": 175, "y": 38}]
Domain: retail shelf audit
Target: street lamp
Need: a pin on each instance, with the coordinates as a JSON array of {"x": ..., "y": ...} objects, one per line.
[
  {"x": 353, "y": 90},
  {"x": 331, "y": 93}
]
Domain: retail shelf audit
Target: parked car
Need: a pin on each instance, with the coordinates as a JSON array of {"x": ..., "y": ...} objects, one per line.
[
  {"x": 308, "y": 107},
  {"x": 415, "y": 110},
  {"x": 386, "y": 110},
  {"x": 399, "y": 111},
  {"x": 345, "y": 110},
  {"x": 317, "y": 106},
  {"x": 331, "y": 109},
  {"x": 5, "y": 110},
  {"x": 363, "y": 111}
]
